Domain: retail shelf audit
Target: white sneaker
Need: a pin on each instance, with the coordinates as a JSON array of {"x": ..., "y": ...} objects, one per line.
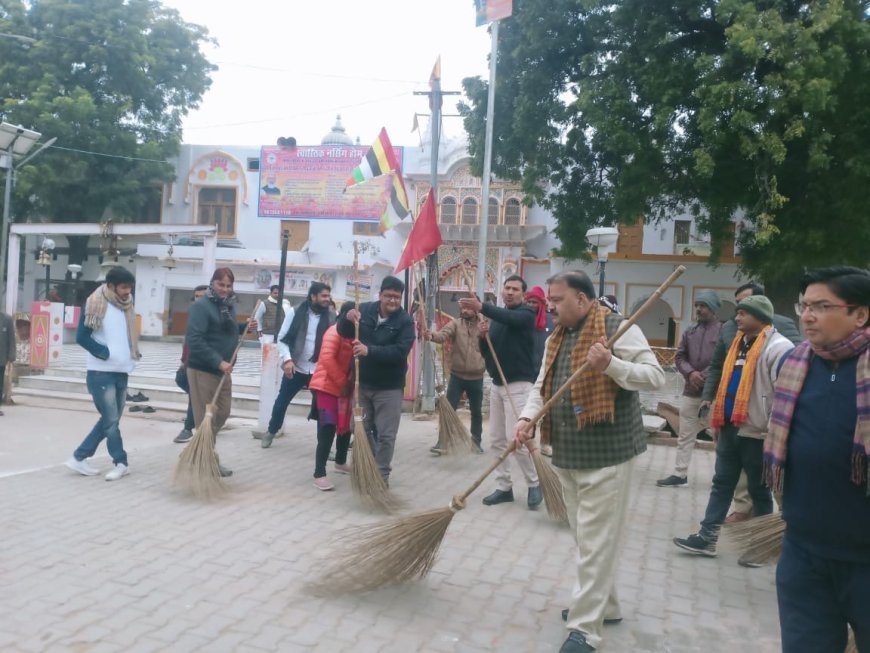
[
  {"x": 120, "y": 470},
  {"x": 81, "y": 466}
]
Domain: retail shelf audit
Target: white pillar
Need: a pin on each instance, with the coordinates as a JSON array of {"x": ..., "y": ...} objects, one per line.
[
  {"x": 209, "y": 256},
  {"x": 14, "y": 254}
]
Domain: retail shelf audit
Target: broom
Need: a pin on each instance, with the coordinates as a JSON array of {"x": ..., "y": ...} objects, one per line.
[
  {"x": 198, "y": 468},
  {"x": 453, "y": 436},
  {"x": 365, "y": 476},
  {"x": 375, "y": 555},
  {"x": 551, "y": 486}
]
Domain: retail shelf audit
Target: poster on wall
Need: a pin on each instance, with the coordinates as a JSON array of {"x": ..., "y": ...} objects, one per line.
[
  {"x": 308, "y": 183},
  {"x": 296, "y": 282}
]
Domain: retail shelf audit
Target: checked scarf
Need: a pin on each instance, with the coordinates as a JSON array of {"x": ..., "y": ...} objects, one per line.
[
  {"x": 95, "y": 312},
  {"x": 744, "y": 390},
  {"x": 788, "y": 387},
  {"x": 593, "y": 395}
]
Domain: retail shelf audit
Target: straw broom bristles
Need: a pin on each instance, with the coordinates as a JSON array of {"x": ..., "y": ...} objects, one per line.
[
  {"x": 198, "y": 470},
  {"x": 757, "y": 540},
  {"x": 453, "y": 436},
  {"x": 387, "y": 553}
]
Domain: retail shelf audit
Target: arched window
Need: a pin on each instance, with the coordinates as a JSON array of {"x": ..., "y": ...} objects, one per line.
[
  {"x": 448, "y": 211},
  {"x": 469, "y": 211},
  {"x": 492, "y": 214},
  {"x": 512, "y": 212}
]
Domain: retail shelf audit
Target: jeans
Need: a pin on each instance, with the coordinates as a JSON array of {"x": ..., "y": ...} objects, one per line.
[
  {"x": 290, "y": 387},
  {"x": 109, "y": 392},
  {"x": 733, "y": 454},
  {"x": 474, "y": 389},
  {"x": 818, "y": 597},
  {"x": 182, "y": 382},
  {"x": 382, "y": 410}
]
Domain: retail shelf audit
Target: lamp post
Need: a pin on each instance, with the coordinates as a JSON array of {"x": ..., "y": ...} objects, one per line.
[
  {"x": 602, "y": 238},
  {"x": 15, "y": 142},
  {"x": 45, "y": 259}
]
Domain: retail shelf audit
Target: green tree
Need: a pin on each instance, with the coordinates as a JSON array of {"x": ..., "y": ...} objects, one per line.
[
  {"x": 612, "y": 110},
  {"x": 108, "y": 76}
]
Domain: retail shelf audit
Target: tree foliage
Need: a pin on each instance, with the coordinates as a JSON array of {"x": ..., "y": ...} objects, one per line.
[
  {"x": 608, "y": 111},
  {"x": 108, "y": 76}
]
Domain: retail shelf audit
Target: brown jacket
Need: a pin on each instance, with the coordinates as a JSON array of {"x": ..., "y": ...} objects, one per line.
[{"x": 465, "y": 359}]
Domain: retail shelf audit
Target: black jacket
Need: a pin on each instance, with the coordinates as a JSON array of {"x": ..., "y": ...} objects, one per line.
[
  {"x": 211, "y": 338},
  {"x": 389, "y": 344},
  {"x": 512, "y": 331}
]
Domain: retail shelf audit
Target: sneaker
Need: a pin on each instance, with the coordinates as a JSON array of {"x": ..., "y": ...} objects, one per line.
[
  {"x": 184, "y": 436},
  {"x": 120, "y": 470},
  {"x": 672, "y": 481},
  {"x": 225, "y": 473},
  {"x": 476, "y": 448},
  {"x": 437, "y": 450},
  {"x": 342, "y": 469},
  {"x": 266, "y": 442},
  {"x": 737, "y": 517},
  {"x": 323, "y": 484},
  {"x": 749, "y": 564},
  {"x": 576, "y": 643},
  {"x": 499, "y": 496},
  {"x": 81, "y": 466},
  {"x": 697, "y": 545},
  {"x": 536, "y": 497}
]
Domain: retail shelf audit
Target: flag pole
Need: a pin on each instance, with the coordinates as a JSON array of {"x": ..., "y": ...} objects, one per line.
[{"x": 487, "y": 167}]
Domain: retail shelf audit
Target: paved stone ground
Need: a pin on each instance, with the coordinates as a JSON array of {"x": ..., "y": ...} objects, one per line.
[{"x": 96, "y": 567}]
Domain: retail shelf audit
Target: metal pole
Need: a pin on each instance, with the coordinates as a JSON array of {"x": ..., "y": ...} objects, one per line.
[
  {"x": 7, "y": 200},
  {"x": 47, "y": 278},
  {"x": 487, "y": 167},
  {"x": 427, "y": 398},
  {"x": 601, "y": 263},
  {"x": 282, "y": 272}
]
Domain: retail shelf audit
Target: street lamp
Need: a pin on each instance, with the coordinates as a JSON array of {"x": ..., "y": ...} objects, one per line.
[
  {"x": 45, "y": 259},
  {"x": 602, "y": 238},
  {"x": 15, "y": 142}
]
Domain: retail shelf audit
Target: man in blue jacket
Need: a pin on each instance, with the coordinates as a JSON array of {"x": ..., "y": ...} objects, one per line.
[
  {"x": 816, "y": 453},
  {"x": 386, "y": 334}
]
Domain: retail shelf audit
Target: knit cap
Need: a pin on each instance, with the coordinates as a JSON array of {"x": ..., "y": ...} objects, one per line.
[
  {"x": 709, "y": 299},
  {"x": 757, "y": 306}
]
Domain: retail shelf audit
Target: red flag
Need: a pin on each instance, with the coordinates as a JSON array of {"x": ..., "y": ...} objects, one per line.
[{"x": 425, "y": 236}]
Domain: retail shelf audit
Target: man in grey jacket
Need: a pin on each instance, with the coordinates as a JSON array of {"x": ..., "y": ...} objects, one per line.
[
  {"x": 693, "y": 358},
  {"x": 740, "y": 415},
  {"x": 7, "y": 350}
]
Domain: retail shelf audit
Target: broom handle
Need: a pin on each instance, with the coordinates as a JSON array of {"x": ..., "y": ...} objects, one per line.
[
  {"x": 565, "y": 386},
  {"x": 236, "y": 352},
  {"x": 356, "y": 324},
  {"x": 492, "y": 349}
]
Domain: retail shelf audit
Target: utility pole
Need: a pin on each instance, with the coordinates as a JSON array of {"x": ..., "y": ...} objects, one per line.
[{"x": 435, "y": 95}]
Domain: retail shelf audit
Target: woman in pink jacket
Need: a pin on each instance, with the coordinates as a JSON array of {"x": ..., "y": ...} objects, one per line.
[{"x": 332, "y": 385}]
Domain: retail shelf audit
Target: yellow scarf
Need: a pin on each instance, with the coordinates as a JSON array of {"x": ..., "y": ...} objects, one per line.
[{"x": 744, "y": 390}]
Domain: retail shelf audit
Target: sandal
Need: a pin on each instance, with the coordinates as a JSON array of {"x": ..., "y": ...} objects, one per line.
[
  {"x": 135, "y": 409},
  {"x": 148, "y": 409}
]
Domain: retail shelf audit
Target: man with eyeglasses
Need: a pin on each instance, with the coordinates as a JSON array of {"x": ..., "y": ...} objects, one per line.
[
  {"x": 816, "y": 454},
  {"x": 741, "y": 509},
  {"x": 386, "y": 334}
]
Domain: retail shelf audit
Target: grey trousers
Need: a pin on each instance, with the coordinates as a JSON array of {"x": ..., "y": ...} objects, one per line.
[{"x": 382, "y": 410}]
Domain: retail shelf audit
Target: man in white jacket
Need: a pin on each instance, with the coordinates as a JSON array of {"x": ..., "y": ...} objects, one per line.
[
  {"x": 107, "y": 330},
  {"x": 740, "y": 415}
]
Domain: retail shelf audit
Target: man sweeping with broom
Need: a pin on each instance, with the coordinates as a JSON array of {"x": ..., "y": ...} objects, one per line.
[
  {"x": 213, "y": 332},
  {"x": 596, "y": 431}
]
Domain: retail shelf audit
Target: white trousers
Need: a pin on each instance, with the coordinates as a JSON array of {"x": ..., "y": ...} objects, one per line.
[
  {"x": 690, "y": 426},
  {"x": 502, "y": 419},
  {"x": 597, "y": 502}
]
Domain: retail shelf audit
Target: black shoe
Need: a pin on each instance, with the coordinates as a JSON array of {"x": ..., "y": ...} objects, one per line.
[
  {"x": 437, "y": 450},
  {"x": 672, "y": 481},
  {"x": 225, "y": 473},
  {"x": 697, "y": 545},
  {"x": 136, "y": 397},
  {"x": 499, "y": 496},
  {"x": 607, "y": 622},
  {"x": 576, "y": 643},
  {"x": 184, "y": 436},
  {"x": 536, "y": 497}
]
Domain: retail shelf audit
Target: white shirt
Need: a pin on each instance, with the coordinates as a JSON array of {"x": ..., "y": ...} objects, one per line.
[
  {"x": 113, "y": 334},
  {"x": 306, "y": 366}
]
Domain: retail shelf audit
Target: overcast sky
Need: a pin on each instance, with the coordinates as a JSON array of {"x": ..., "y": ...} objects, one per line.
[{"x": 287, "y": 67}]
